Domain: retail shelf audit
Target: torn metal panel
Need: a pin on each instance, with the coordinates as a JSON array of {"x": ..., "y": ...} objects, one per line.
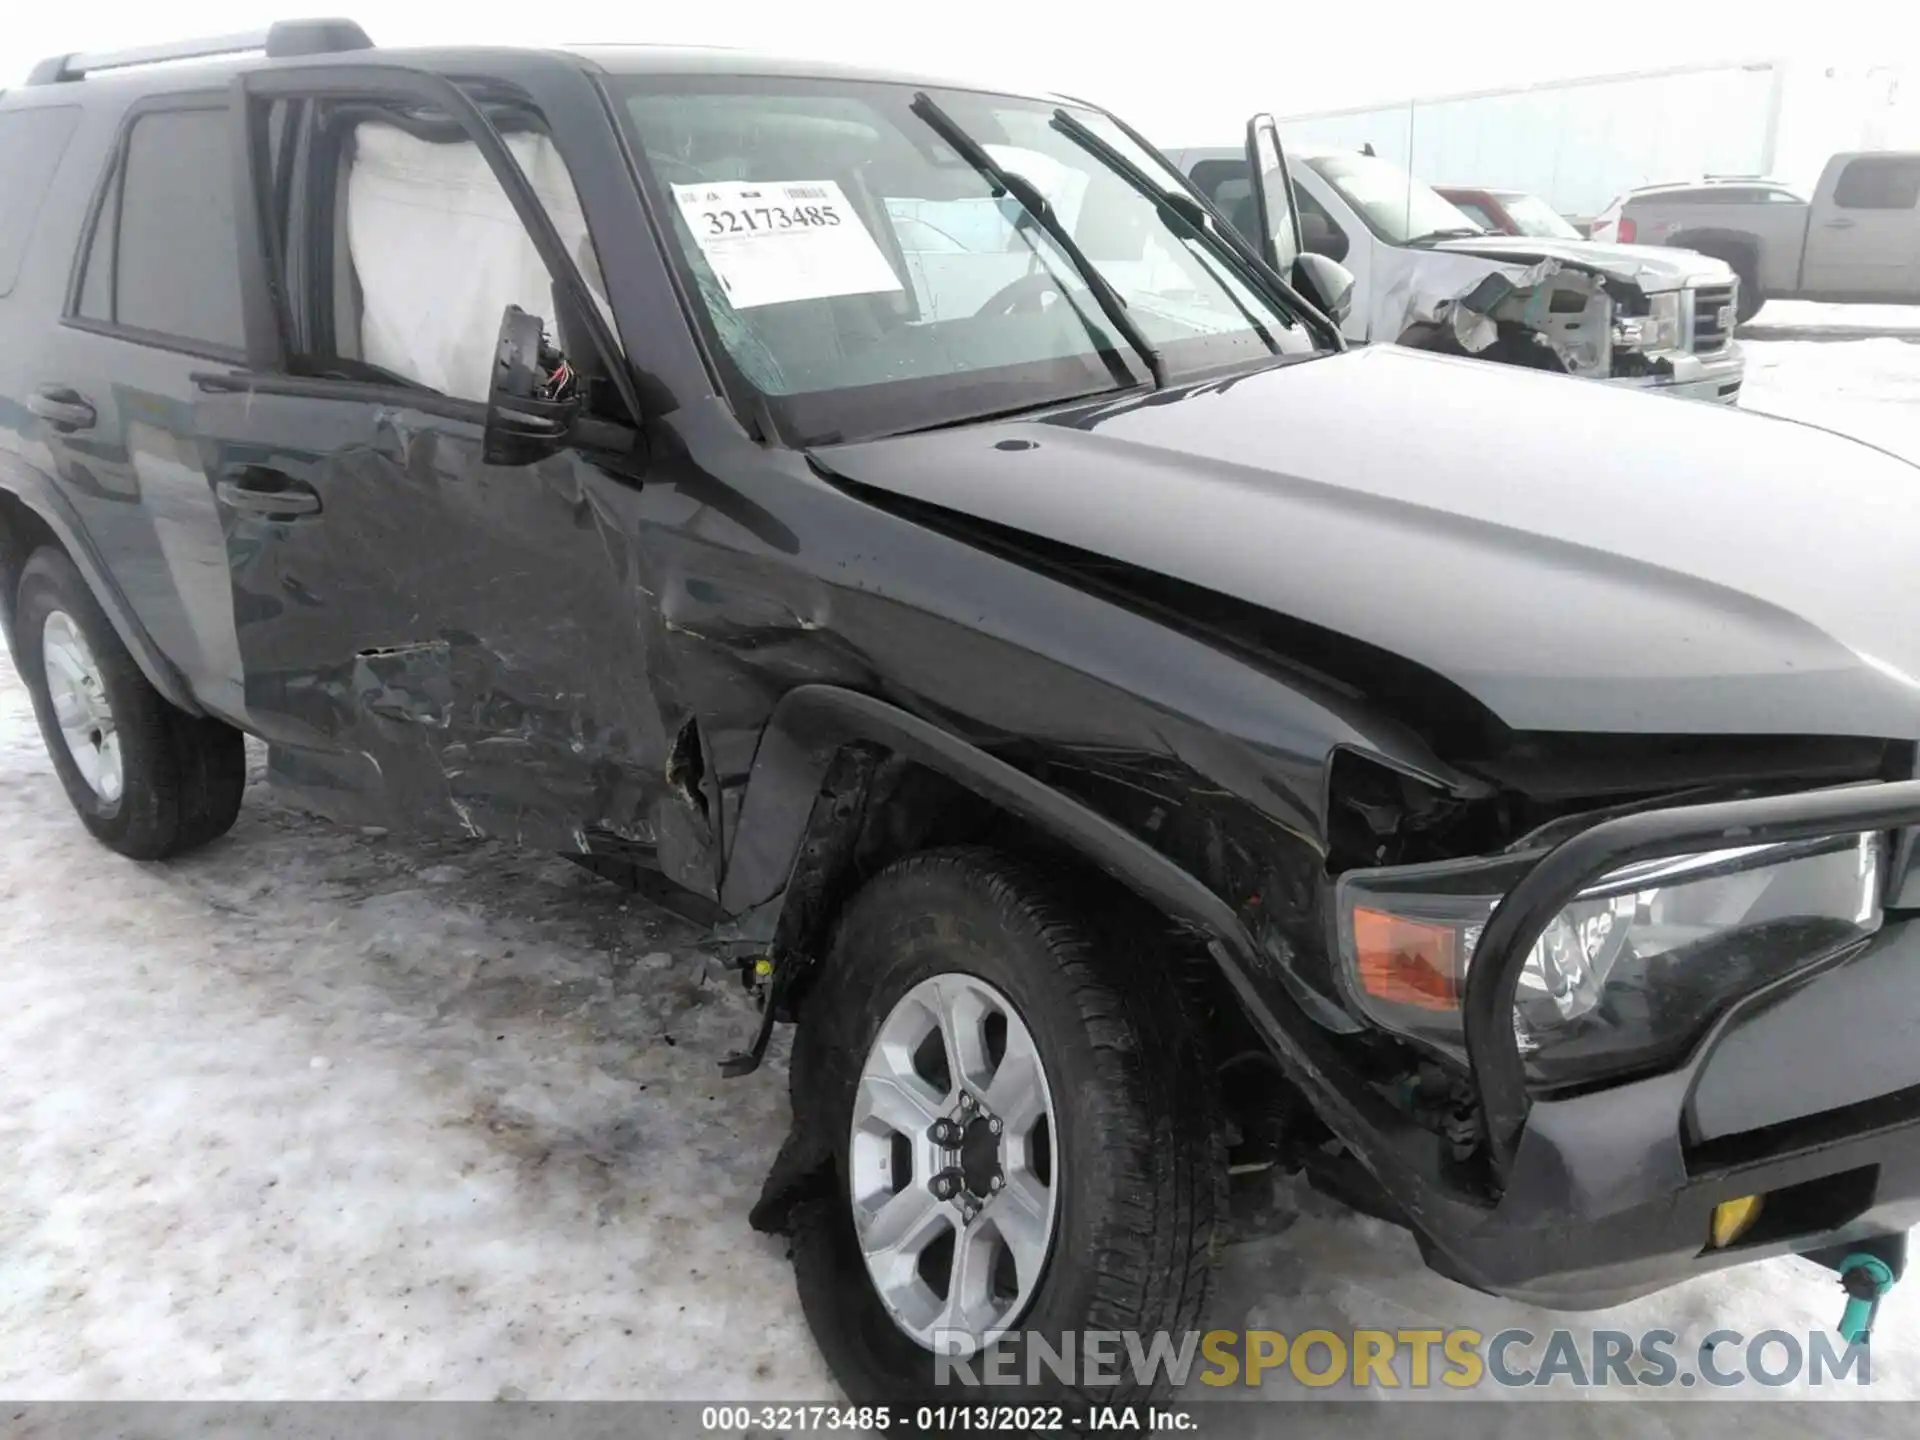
[
  {"x": 1468, "y": 299},
  {"x": 413, "y": 683},
  {"x": 1645, "y": 267}
]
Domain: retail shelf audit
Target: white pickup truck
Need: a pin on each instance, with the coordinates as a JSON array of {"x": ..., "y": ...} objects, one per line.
[
  {"x": 1425, "y": 274},
  {"x": 1857, "y": 238}
]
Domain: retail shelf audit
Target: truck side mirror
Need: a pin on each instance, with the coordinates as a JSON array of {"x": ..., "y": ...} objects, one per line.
[
  {"x": 1327, "y": 283},
  {"x": 523, "y": 423}
]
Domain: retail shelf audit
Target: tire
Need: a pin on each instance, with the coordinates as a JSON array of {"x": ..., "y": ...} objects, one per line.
[
  {"x": 1751, "y": 296},
  {"x": 1138, "y": 1171},
  {"x": 179, "y": 777}
]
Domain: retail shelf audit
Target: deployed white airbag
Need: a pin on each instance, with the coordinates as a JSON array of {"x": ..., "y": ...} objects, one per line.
[{"x": 440, "y": 252}]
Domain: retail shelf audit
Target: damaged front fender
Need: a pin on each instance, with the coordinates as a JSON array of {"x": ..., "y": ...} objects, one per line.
[{"x": 1546, "y": 315}]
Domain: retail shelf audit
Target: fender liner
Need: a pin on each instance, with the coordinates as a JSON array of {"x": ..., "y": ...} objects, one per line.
[
  {"x": 810, "y": 725},
  {"x": 52, "y": 509}
]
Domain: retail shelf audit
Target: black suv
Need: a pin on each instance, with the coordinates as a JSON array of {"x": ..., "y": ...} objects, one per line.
[{"x": 902, "y": 524}]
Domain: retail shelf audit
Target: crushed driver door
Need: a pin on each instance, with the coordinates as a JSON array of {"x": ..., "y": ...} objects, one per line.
[{"x": 430, "y": 640}]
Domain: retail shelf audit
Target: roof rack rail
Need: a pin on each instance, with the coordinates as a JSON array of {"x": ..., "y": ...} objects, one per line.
[{"x": 280, "y": 40}]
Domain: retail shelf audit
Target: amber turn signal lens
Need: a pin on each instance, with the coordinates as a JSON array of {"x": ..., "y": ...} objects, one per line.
[
  {"x": 1407, "y": 962},
  {"x": 1733, "y": 1218}
]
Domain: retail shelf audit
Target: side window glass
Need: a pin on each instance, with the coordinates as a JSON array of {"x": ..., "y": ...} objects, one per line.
[
  {"x": 163, "y": 258},
  {"x": 1318, "y": 231},
  {"x": 1229, "y": 185},
  {"x": 31, "y": 144},
  {"x": 416, "y": 249},
  {"x": 1878, "y": 182}
]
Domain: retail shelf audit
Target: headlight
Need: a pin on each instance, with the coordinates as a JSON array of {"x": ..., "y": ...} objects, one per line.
[
  {"x": 1656, "y": 331},
  {"x": 1632, "y": 971}
]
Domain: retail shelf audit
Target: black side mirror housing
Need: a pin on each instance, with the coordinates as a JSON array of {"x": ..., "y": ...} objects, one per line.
[
  {"x": 1327, "y": 283},
  {"x": 522, "y": 426}
]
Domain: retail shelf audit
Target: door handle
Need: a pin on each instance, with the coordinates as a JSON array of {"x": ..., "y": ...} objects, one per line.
[
  {"x": 266, "y": 491},
  {"x": 1839, "y": 222},
  {"x": 62, "y": 408}
]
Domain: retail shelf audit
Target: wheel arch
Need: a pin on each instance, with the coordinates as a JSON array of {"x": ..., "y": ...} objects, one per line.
[
  {"x": 1722, "y": 244},
  {"x": 825, "y": 749},
  {"x": 28, "y": 524}
]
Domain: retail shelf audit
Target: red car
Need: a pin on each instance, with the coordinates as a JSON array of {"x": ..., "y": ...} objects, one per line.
[{"x": 1511, "y": 212}]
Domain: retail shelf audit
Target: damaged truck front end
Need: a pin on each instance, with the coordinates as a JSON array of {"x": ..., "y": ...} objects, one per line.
[
  {"x": 1589, "y": 1068},
  {"x": 1507, "y": 929},
  {"x": 1569, "y": 314},
  {"x": 1425, "y": 275},
  {"x": 1586, "y": 1100},
  {"x": 1113, "y": 717}
]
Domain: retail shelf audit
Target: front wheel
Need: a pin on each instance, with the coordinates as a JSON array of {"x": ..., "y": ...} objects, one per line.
[{"x": 1024, "y": 1137}]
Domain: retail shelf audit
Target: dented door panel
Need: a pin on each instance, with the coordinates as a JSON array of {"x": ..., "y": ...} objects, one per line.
[{"x": 448, "y": 644}]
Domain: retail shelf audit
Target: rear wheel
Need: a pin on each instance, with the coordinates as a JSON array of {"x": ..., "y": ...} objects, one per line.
[
  {"x": 1023, "y": 1134},
  {"x": 1751, "y": 296},
  {"x": 147, "y": 779}
]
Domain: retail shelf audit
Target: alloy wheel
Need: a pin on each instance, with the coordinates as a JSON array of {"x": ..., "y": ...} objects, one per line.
[
  {"x": 951, "y": 1166},
  {"x": 80, "y": 706}
]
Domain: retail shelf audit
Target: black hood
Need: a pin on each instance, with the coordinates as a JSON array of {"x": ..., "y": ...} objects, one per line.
[{"x": 1576, "y": 557}]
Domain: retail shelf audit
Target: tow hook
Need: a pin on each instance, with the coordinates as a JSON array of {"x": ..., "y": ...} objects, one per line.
[
  {"x": 1868, "y": 1270},
  {"x": 1865, "y": 1278}
]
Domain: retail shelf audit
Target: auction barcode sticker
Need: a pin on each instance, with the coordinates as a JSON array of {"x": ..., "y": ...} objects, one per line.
[{"x": 774, "y": 241}]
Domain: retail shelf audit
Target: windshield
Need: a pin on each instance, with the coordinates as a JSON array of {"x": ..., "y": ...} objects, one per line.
[
  {"x": 862, "y": 277},
  {"x": 1394, "y": 205},
  {"x": 1533, "y": 216}
]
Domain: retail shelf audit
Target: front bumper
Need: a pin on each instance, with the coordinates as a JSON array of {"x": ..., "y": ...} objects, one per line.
[
  {"x": 1610, "y": 1195},
  {"x": 1806, "y": 1093},
  {"x": 1715, "y": 377}
]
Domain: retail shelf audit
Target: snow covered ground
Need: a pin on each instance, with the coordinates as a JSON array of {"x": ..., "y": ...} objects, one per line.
[
  {"x": 317, "y": 1114},
  {"x": 1802, "y": 319}
]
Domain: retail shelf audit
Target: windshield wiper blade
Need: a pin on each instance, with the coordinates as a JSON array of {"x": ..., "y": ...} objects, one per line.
[
  {"x": 1097, "y": 145},
  {"x": 1456, "y": 232},
  {"x": 1227, "y": 243},
  {"x": 1035, "y": 204}
]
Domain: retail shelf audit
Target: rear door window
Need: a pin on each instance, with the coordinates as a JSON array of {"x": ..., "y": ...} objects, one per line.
[
  {"x": 31, "y": 144},
  {"x": 1879, "y": 182},
  {"x": 163, "y": 261}
]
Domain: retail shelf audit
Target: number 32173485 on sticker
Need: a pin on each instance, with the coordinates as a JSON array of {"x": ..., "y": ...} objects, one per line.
[{"x": 770, "y": 243}]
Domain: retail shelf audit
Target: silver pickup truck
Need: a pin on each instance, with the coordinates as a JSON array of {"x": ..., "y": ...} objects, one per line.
[
  {"x": 1425, "y": 274},
  {"x": 1855, "y": 239}
]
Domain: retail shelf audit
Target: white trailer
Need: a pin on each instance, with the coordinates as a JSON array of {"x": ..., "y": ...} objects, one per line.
[{"x": 1581, "y": 143}]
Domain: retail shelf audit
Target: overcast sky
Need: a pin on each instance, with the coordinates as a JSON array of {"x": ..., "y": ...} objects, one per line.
[{"x": 1185, "y": 72}]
